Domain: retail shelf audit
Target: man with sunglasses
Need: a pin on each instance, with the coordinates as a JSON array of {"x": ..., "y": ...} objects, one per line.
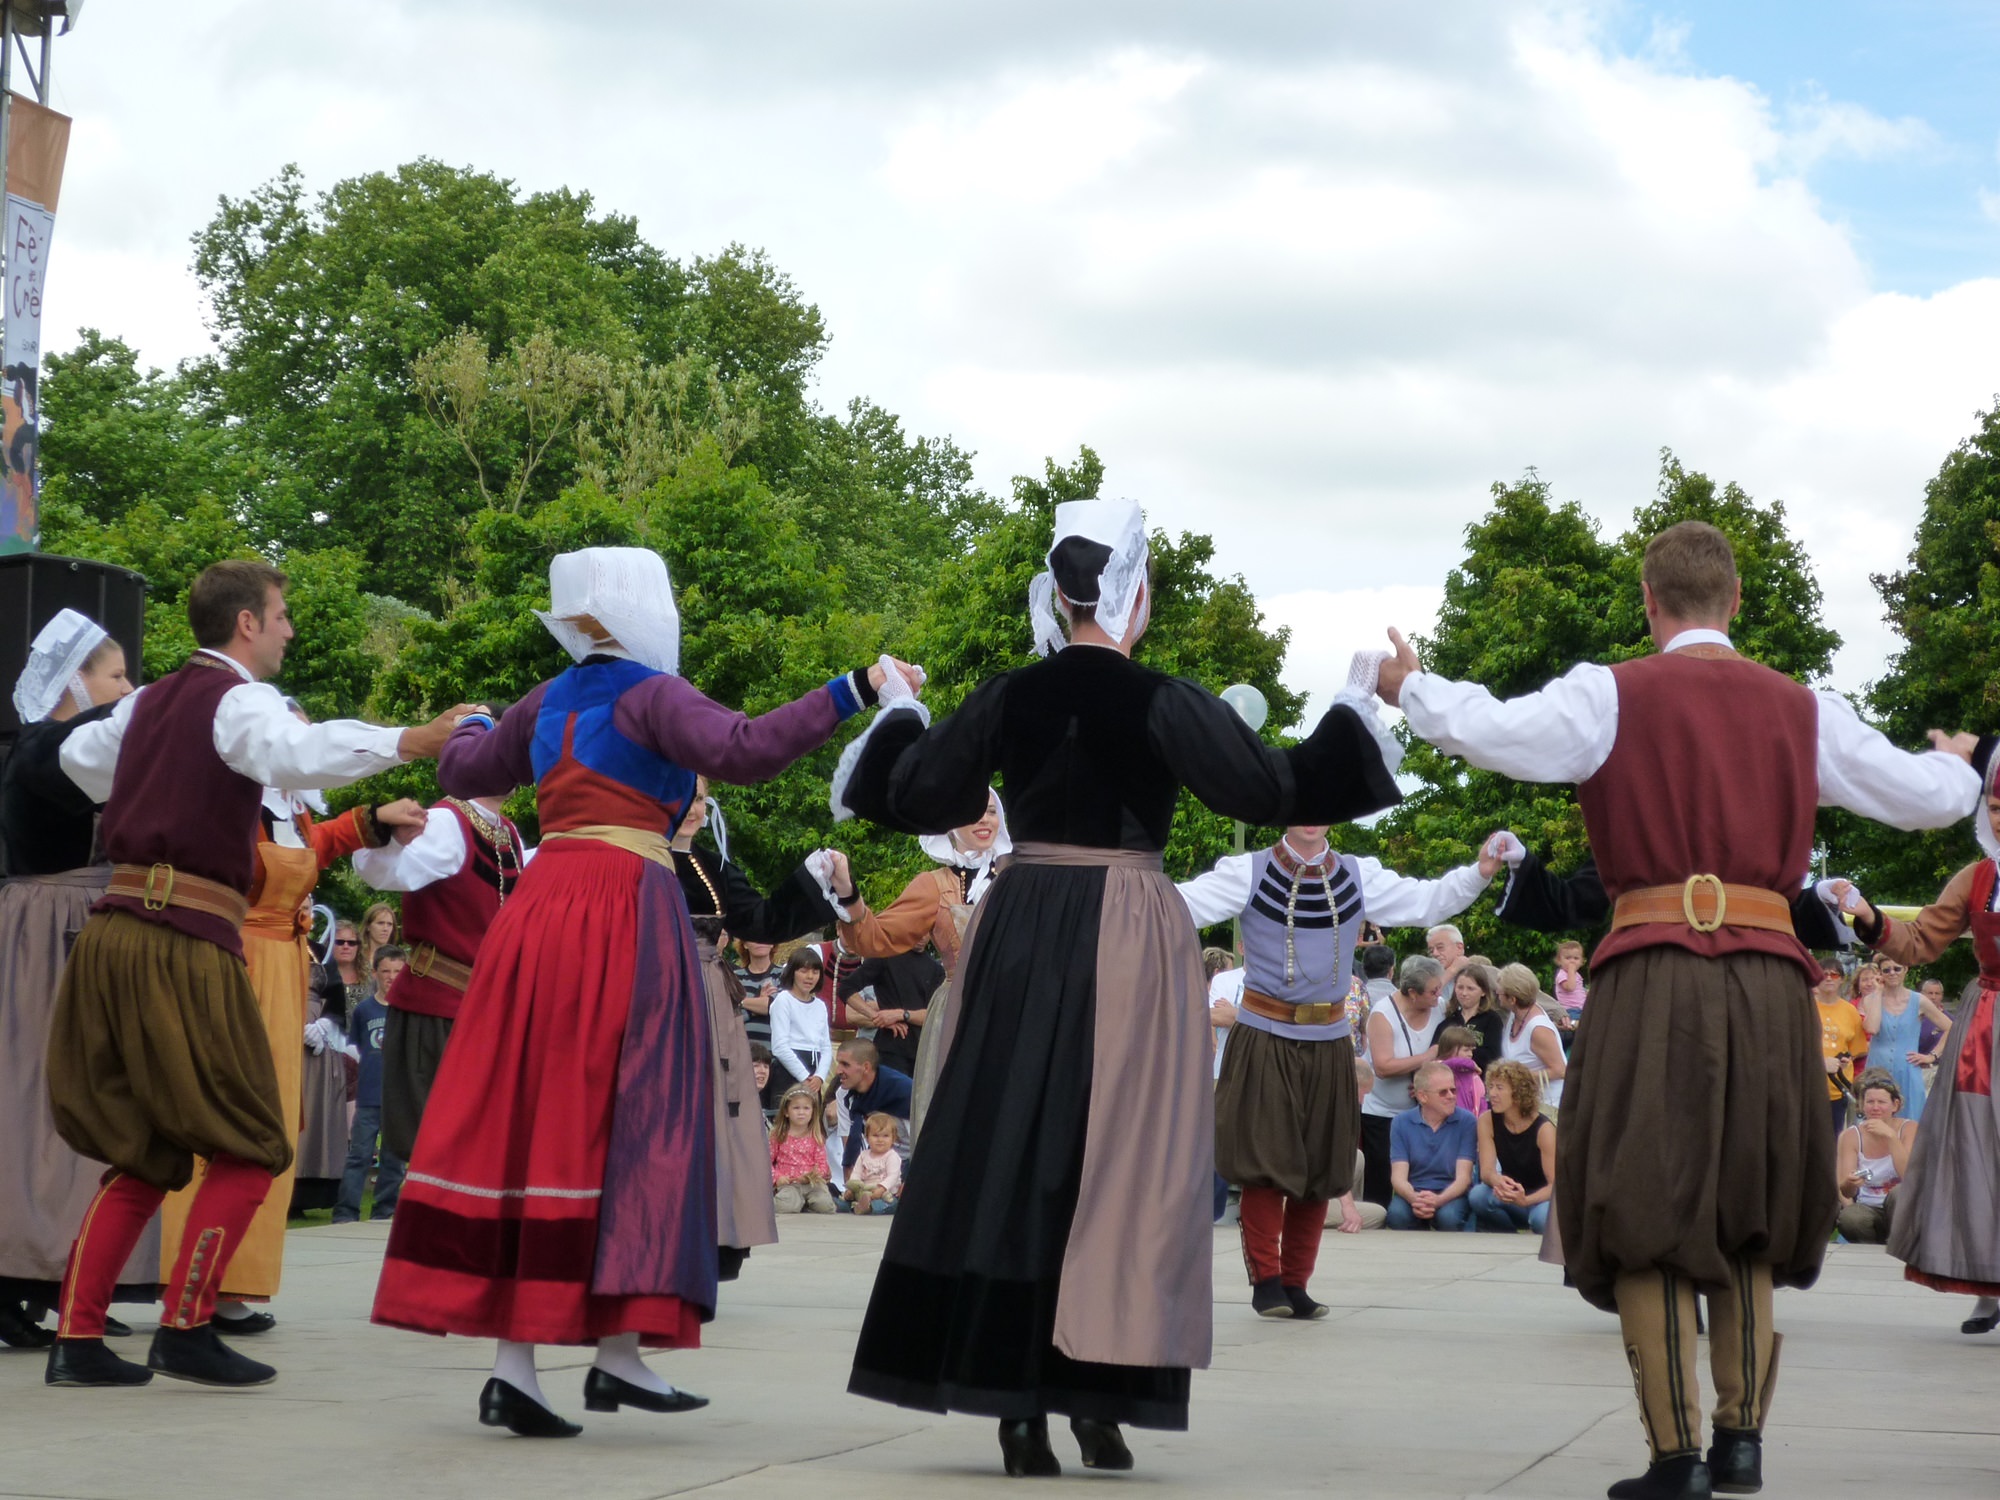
[{"x": 1432, "y": 1149}]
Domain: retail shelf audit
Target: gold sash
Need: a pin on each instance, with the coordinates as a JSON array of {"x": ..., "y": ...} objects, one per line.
[{"x": 643, "y": 842}]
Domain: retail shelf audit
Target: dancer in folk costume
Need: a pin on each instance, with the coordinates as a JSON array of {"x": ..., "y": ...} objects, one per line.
[
  {"x": 1693, "y": 1152},
  {"x": 934, "y": 908},
  {"x": 1048, "y": 1256},
  {"x": 1287, "y": 1112},
  {"x": 159, "y": 1053},
  {"x": 75, "y": 673},
  {"x": 1947, "y": 1224},
  {"x": 720, "y": 899},
  {"x": 455, "y": 875},
  {"x": 562, "y": 1190}
]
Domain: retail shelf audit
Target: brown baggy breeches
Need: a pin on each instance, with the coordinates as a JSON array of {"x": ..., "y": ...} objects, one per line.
[
  {"x": 158, "y": 1053},
  {"x": 1656, "y": 1317}
]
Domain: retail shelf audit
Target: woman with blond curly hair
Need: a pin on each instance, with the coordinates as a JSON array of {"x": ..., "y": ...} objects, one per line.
[{"x": 1517, "y": 1154}]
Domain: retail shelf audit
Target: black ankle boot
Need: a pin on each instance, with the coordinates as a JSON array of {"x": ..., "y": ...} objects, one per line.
[
  {"x": 88, "y": 1362},
  {"x": 1024, "y": 1446},
  {"x": 1103, "y": 1445},
  {"x": 20, "y": 1330},
  {"x": 1268, "y": 1299},
  {"x": 1303, "y": 1305},
  {"x": 501, "y": 1405},
  {"x": 1736, "y": 1462},
  {"x": 1683, "y": 1478},
  {"x": 197, "y": 1355}
]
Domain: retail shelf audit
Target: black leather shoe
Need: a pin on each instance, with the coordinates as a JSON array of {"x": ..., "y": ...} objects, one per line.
[
  {"x": 1303, "y": 1305},
  {"x": 1268, "y": 1299},
  {"x": 1736, "y": 1462},
  {"x": 19, "y": 1330},
  {"x": 603, "y": 1391},
  {"x": 243, "y": 1327},
  {"x": 501, "y": 1405},
  {"x": 199, "y": 1356},
  {"x": 88, "y": 1362},
  {"x": 1025, "y": 1448},
  {"x": 115, "y": 1329},
  {"x": 1980, "y": 1325},
  {"x": 1102, "y": 1443},
  {"x": 1684, "y": 1478}
]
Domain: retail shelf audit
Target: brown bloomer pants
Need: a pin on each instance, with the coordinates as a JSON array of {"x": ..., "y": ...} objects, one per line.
[{"x": 1657, "y": 1318}]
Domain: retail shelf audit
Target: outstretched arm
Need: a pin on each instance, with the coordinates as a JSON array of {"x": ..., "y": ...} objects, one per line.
[{"x": 1393, "y": 900}]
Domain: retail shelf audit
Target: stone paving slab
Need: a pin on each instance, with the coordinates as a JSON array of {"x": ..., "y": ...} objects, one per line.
[{"x": 1450, "y": 1366}]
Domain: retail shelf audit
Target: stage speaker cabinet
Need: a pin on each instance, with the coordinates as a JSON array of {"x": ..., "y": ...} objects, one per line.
[{"x": 34, "y": 585}]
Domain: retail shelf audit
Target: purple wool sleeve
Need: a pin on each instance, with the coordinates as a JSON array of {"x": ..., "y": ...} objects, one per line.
[
  {"x": 481, "y": 762},
  {"x": 671, "y": 716}
]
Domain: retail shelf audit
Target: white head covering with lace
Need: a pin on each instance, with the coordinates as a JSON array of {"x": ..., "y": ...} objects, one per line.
[
  {"x": 944, "y": 849},
  {"x": 626, "y": 594},
  {"x": 1118, "y": 530},
  {"x": 55, "y": 666},
  {"x": 1982, "y": 821}
]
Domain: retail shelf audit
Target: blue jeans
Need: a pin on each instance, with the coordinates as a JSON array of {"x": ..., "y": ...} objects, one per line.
[
  {"x": 360, "y": 1157},
  {"x": 1490, "y": 1214},
  {"x": 1450, "y": 1217}
]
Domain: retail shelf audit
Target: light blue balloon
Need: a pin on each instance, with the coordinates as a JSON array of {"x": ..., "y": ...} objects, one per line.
[{"x": 1249, "y": 704}]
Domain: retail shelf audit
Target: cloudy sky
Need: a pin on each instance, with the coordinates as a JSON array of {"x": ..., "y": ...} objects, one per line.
[{"x": 1310, "y": 275}]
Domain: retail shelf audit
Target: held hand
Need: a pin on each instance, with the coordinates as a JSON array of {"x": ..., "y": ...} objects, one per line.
[
  {"x": 1961, "y": 744},
  {"x": 1489, "y": 861},
  {"x": 1396, "y": 669},
  {"x": 422, "y": 742},
  {"x": 405, "y": 813},
  {"x": 842, "y": 876},
  {"x": 913, "y": 677},
  {"x": 1851, "y": 1184}
]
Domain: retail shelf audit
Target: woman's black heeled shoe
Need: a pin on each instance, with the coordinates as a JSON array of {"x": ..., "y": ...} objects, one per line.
[
  {"x": 1025, "y": 1448},
  {"x": 1980, "y": 1325},
  {"x": 1102, "y": 1443},
  {"x": 501, "y": 1405},
  {"x": 603, "y": 1391}
]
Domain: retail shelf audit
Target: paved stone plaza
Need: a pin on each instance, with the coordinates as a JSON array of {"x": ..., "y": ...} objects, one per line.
[{"x": 1450, "y": 1366}]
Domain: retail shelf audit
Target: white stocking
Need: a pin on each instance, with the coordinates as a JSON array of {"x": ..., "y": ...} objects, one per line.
[
  {"x": 619, "y": 1355},
  {"x": 1986, "y": 1307},
  {"x": 515, "y": 1364},
  {"x": 229, "y": 1309}
]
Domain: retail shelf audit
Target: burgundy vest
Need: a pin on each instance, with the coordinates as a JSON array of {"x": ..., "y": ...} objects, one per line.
[
  {"x": 174, "y": 802},
  {"x": 1715, "y": 772},
  {"x": 452, "y": 915}
]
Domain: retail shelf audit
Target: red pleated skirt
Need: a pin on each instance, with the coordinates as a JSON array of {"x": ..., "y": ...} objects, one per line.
[{"x": 562, "y": 1189}]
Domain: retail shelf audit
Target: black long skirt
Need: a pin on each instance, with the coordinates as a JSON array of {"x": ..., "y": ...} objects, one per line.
[{"x": 965, "y": 1301}]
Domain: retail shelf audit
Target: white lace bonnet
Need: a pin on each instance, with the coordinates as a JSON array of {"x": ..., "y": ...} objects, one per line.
[
  {"x": 55, "y": 665},
  {"x": 1118, "y": 528},
  {"x": 627, "y": 592}
]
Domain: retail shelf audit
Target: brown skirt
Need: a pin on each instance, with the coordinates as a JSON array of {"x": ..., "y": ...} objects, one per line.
[
  {"x": 158, "y": 1054},
  {"x": 323, "y": 1106},
  {"x": 745, "y": 1215},
  {"x": 1694, "y": 1123},
  {"x": 1287, "y": 1114}
]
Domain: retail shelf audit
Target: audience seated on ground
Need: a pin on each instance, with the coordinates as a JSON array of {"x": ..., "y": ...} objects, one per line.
[{"x": 1872, "y": 1158}]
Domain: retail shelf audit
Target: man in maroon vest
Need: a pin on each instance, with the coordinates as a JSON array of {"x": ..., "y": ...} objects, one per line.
[
  {"x": 1694, "y": 1152},
  {"x": 457, "y": 871},
  {"x": 157, "y": 1050}
]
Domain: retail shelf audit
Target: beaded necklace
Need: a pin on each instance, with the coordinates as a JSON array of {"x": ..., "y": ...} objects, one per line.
[
  {"x": 714, "y": 896},
  {"x": 498, "y": 833},
  {"x": 1301, "y": 868}
]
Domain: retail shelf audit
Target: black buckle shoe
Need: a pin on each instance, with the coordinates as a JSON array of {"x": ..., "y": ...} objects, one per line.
[
  {"x": 1024, "y": 1446},
  {"x": 1683, "y": 1478},
  {"x": 1268, "y": 1299},
  {"x": 88, "y": 1362},
  {"x": 501, "y": 1405},
  {"x": 1102, "y": 1443},
  {"x": 243, "y": 1327},
  {"x": 1303, "y": 1305},
  {"x": 1736, "y": 1462},
  {"x": 199, "y": 1356},
  {"x": 603, "y": 1391}
]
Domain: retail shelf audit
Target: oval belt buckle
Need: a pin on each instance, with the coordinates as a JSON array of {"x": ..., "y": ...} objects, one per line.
[
  {"x": 159, "y": 894},
  {"x": 1721, "y": 902}
]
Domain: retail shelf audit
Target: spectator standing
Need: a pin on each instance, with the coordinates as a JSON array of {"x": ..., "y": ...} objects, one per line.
[
  {"x": 1894, "y": 1016},
  {"x": 365, "y": 1025},
  {"x": 801, "y": 1037},
  {"x": 798, "y": 1155},
  {"x": 759, "y": 977},
  {"x": 1432, "y": 1149},
  {"x": 1446, "y": 944},
  {"x": 1399, "y": 1042},
  {"x": 1873, "y": 1156},
  {"x": 1377, "y": 963},
  {"x": 1517, "y": 1154},
  {"x": 893, "y": 995},
  {"x": 1842, "y": 1038},
  {"x": 379, "y": 928}
]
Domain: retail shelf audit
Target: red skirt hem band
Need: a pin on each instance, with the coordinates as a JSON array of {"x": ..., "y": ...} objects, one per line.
[{"x": 1952, "y": 1283}]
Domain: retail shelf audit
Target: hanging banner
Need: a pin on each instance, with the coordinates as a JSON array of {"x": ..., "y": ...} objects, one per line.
[{"x": 37, "y": 143}]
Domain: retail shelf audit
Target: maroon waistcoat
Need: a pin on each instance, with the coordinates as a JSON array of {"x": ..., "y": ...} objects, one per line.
[
  {"x": 174, "y": 802},
  {"x": 452, "y": 915},
  {"x": 1715, "y": 772}
]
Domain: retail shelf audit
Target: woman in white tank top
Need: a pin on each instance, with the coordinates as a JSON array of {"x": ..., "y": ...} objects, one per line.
[
  {"x": 1873, "y": 1157},
  {"x": 1530, "y": 1038},
  {"x": 1400, "y": 1028}
]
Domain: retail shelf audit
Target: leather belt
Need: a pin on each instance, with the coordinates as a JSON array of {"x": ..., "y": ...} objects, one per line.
[
  {"x": 1317, "y": 1013},
  {"x": 1705, "y": 903},
  {"x": 157, "y": 887},
  {"x": 427, "y": 963}
]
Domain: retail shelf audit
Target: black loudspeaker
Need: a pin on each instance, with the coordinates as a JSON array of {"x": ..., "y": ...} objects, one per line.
[{"x": 34, "y": 585}]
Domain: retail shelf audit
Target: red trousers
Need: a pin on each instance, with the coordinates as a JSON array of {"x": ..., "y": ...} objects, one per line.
[
  {"x": 1281, "y": 1235},
  {"x": 222, "y": 1210}
]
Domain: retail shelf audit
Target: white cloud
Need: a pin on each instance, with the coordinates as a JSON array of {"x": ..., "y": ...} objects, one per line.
[{"x": 1309, "y": 276}]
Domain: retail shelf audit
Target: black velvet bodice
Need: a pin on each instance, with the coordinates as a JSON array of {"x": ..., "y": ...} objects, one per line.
[{"x": 45, "y": 819}]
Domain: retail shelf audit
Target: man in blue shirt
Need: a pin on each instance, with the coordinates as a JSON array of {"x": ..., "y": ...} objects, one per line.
[
  {"x": 364, "y": 1032},
  {"x": 866, "y": 1088},
  {"x": 1432, "y": 1149}
]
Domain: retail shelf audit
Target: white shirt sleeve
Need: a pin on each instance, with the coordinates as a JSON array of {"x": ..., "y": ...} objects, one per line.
[
  {"x": 1562, "y": 733},
  {"x": 1219, "y": 894},
  {"x": 257, "y": 736},
  {"x": 1392, "y": 900},
  {"x": 1862, "y": 771},
  {"x": 90, "y": 752},
  {"x": 438, "y": 853}
]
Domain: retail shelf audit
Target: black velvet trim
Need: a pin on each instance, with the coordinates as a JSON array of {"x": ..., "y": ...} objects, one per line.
[
  {"x": 730, "y": 1258},
  {"x": 508, "y": 1249},
  {"x": 1339, "y": 771}
]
